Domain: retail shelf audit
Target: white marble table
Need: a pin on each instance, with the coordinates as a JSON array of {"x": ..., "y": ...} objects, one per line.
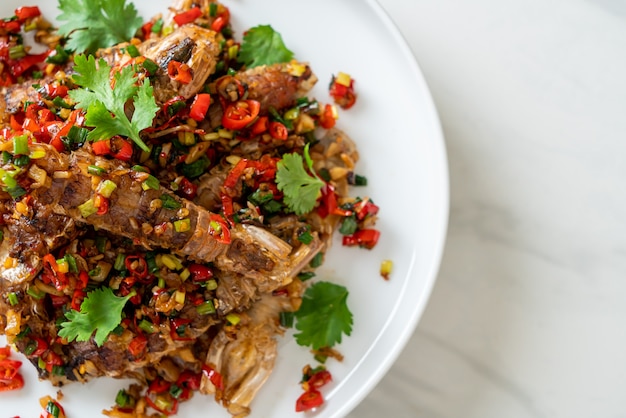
[{"x": 528, "y": 316}]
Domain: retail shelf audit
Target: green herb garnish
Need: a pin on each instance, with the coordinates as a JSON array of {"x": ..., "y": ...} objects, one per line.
[
  {"x": 105, "y": 105},
  {"x": 262, "y": 45}
]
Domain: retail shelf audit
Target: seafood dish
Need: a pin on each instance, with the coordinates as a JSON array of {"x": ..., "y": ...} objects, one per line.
[{"x": 165, "y": 201}]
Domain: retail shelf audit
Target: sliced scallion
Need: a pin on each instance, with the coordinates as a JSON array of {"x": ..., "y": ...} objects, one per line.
[
  {"x": 206, "y": 308},
  {"x": 20, "y": 145}
]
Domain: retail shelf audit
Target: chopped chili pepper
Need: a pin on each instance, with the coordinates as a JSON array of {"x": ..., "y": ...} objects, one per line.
[
  {"x": 180, "y": 72},
  {"x": 77, "y": 299},
  {"x": 27, "y": 12},
  {"x": 187, "y": 16},
  {"x": 327, "y": 118},
  {"x": 138, "y": 346},
  {"x": 319, "y": 379},
  {"x": 20, "y": 66},
  {"x": 103, "y": 207},
  {"x": 366, "y": 238},
  {"x": 219, "y": 229},
  {"x": 52, "y": 90},
  {"x": 187, "y": 189},
  {"x": 146, "y": 29},
  {"x": 221, "y": 20},
  {"x": 165, "y": 404},
  {"x": 52, "y": 359},
  {"x": 329, "y": 204},
  {"x": 121, "y": 148},
  {"x": 40, "y": 346},
  {"x": 214, "y": 376},
  {"x": 137, "y": 266},
  {"x": 102, "y": 147},
  {"x": 200, "y": 106},
  {"x": 200, "y": 273},
  {"x": 8, "y": 369},
  {"x": 365, "y": 208},
  {"x": 343, "y": 95},
  {"x": 16, "y": 383},
  {"x": 309, "y": 400},
  {"x": 278, "y": 130},
  {"x": 240, "y": 114},
  {"x": 52, "y": 274},
  {"x": 261, "y": 125},
  {"x": 175, "y": 328},
  {"x": 188, "y": 381}
]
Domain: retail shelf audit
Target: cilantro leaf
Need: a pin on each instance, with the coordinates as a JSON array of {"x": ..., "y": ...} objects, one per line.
[
  {"x": 94, "y": 24},
  {"x": 323, "y": 316},
  {"x": 101, "y": 311},
  {"x": 262, "y": 45},
  {"x": 106, "y": 105},
  {"x": 301, "y": 190}
]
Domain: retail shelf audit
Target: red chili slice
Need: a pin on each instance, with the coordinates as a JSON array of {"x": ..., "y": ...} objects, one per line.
[
  {"x": 309, "y": 400},
  {"x": 200, "y": 106},
  {"x": 214, "y": 376},
  {"x": 219, "y": 229},
  {"x": 240, "y": 114},
  {"x": 366, "y": 238},
  {"x": 187, "y": 16},
  {"x": 179, "y": 71},
  {"x": 27, "y": 12},
  {"x": 200, "y": 273},
  {"x": 278, "y": 130}
]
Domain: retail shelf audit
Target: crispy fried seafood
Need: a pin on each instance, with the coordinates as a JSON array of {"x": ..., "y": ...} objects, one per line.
[{"x": 189, "y": 235}]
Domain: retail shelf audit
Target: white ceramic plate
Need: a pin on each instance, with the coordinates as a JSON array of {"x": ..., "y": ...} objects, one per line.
[{"x": 403, "y": 156}]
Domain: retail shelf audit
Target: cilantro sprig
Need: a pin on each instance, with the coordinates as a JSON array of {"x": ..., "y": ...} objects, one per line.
[
  {"x": 101, "y": 311},
  {"x": 262, "y": 45},
  {"x": 94, "y": 24},
  {"x": 300, "y": 189},
  {"x": 105, "y": 105},
  {"x": 324, "y": 316}
]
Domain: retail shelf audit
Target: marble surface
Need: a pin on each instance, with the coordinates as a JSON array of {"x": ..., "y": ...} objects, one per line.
[{"x": 528, "y": 315}]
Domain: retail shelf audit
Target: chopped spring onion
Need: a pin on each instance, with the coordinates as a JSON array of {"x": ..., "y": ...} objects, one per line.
[
  {"x": 150, "y": 66},
  {"x": 106, "y": 188},
  {"x": 184, "y": 275},
  {"x": 59, "y": 102},
  {"x": 157, "y": 26},
  {"x": 132, "y": 51},
  {"x": 20, "y": 145},
  {"x": 171, "y": 262},
  {"x": 101, "y": 243},
  {"x": 206, "y": 308},
  {"x": 13, "y": 300},
  {"x": 360, "y": 180},
  {"x": 59, "y": 57},
  {"x": 21, "y": 160},
  {"x": 35, "y": 292},
  {"x": 233, "y": 318},
  {"x": 210, "y": 284},
  {"x": 176, "y": 391},
  {"x": 306, "y": 275},
  {"x": 317, "y": 260},
  {"x": 17, "y": 52},
  {"x": 53, "y": 409},
  {"x": 286, "y": 319},
  {"x": 119, "y": 264},
  {"x": 179, "y": 296},
  {"x": 182, "y": 225},
  {"x": 305, "y": 237},
  {"x": 349, "y": 225},
  {"x": 147, "y": 326},
  {"x": 123, "y": 399},
  {"x": 87, "y": 209},
  {"x": 169, "y": 202},
  {"x": 213, "y": 9},
  {"x": 71, "y": 262},
  {"x": 94, "y": 170},
  {"x": 150, "y": 183}
]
